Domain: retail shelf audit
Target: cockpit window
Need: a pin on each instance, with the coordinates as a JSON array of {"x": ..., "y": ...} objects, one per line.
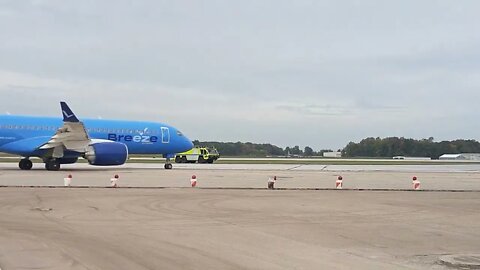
[{"x": 179, "y": 133}]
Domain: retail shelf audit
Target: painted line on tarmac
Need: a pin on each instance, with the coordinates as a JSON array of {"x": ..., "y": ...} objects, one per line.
[
  {"x": 247, "y": 188},
  {"x": 294, "y": 167}
]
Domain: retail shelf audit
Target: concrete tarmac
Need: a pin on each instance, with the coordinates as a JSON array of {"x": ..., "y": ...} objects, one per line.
[
  {"x": 177, "y": 227},
  {"x": 438, "y": 177},
  {"x": 45, "y": 228}
]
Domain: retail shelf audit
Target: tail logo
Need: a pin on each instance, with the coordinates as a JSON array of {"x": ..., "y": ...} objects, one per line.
[{"x": 66, "y": 114}]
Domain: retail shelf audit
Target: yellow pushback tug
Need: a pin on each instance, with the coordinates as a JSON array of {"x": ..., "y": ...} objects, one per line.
[{"x": 198, "y": 154}]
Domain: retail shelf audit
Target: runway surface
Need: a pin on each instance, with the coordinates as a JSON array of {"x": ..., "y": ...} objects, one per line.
[
  {"x": 432, "y": 177},
  {"x": 177, "y": 227}
]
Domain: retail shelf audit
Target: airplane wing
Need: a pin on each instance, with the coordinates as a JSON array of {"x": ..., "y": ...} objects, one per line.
[{"x": 71, "y": 136}]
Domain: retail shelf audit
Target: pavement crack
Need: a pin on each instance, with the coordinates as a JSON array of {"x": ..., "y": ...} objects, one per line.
[{"x": 42, "y": 209}]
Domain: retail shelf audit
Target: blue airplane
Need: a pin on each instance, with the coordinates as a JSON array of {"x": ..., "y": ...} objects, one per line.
[{"x": 100, "y": 142}]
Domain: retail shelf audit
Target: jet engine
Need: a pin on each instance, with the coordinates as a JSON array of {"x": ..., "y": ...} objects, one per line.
[{"x": 106, "y": 153}]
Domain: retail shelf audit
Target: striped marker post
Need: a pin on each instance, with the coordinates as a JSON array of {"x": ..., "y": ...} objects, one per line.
[
  {"x": 114, "y": 181},
  {"x": 415, "y": 183},
  {"x": 339, "y": 182},
  {"x": 67, "y": 181},
  {"x": 193, "y": 181}
]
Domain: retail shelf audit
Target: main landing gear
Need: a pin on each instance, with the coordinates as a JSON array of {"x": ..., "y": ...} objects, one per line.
[
  {"x": 52, "y": 165},
  {"x": 25, "y": 164}
]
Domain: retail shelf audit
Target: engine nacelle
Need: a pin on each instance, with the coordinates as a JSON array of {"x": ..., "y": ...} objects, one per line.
[{"x": 107, "y": 153}]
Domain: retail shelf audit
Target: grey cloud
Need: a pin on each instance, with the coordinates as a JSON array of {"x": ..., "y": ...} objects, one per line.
[
  {"x": 316, "y": 110},
  {"x": 359, "y": 108},
  {"x": 361, "y": 67}
]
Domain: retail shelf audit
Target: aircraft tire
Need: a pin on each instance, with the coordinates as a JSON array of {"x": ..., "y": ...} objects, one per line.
[
  {"x": 168, "y": 166},
  {"x": 52, "y": 165},
  {"x": 25, "y": 164}
]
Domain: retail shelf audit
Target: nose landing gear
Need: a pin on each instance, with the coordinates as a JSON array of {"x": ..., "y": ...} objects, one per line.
[{"x": 168, "y": 164}]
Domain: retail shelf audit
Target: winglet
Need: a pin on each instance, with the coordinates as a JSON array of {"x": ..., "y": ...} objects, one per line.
[{"x": 68, "y": 115}]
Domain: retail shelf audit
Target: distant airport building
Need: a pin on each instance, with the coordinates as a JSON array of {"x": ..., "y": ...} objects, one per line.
[
  {"x": 332, "y": 154},
  {"x": 463, "y": 156},
  {"x": 412, "y": 158}
]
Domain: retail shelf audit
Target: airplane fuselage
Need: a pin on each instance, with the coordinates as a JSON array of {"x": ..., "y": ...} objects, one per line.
[{"x": 21, "y": 135}]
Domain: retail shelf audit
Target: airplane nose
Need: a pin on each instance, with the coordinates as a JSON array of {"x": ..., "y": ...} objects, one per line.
[{"x": 187, "y": 144}]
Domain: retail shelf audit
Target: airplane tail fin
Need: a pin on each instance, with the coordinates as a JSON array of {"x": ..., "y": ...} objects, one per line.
[{"x": 68, "y": 115}]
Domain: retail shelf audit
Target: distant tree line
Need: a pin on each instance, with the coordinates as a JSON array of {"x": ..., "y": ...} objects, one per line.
[
  {"x": 306, "y": 152},
  {"x": 394, "y": 146},
  {"x": 258, "y": 150},
  {"x": 369, "y": 147}
]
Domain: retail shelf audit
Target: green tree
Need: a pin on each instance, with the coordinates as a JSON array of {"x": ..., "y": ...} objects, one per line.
[
  {"x": 308, "y": 151},
  {"x": 296, "y": 150},
  {"x": 394, "y": 146}
]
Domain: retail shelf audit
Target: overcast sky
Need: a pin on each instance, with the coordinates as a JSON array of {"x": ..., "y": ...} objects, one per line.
[{"x": 316, "y": 73}]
